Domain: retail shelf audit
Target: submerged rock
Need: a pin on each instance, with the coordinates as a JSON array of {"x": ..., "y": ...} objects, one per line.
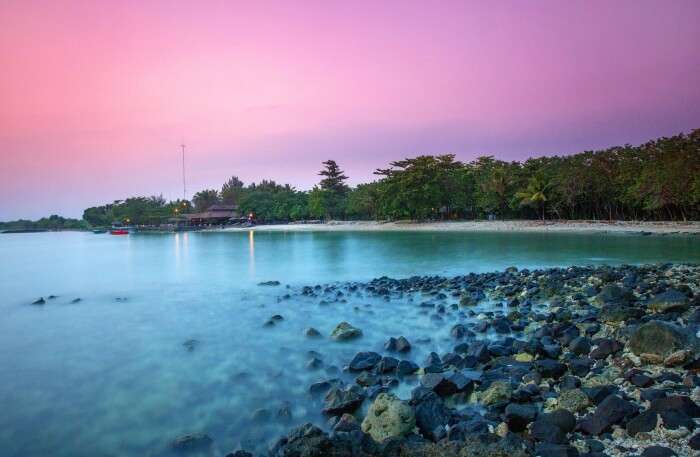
[
  {"x": 339, "y": 401},
  {"x": 388, "y": 417},
  {"x": 269, "y": 283},
  {"x": 344, "y": 331},
  {"x": 364, "y": 361},
  {"x": 399, "y": 344},
  {"x": 192, "y": 442},
  {"x": 191, "y": 344},
  {"x": 312, "y": 333}
]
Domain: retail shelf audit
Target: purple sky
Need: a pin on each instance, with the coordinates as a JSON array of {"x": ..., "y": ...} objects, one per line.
[{"x": 98, "y": 95}]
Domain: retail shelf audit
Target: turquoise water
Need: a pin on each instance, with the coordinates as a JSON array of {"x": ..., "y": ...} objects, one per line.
[{"x": 109, "y": 375}]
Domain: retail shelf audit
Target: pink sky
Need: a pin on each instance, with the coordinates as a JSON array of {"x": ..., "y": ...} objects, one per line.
[{"x": 97, "y": 95}]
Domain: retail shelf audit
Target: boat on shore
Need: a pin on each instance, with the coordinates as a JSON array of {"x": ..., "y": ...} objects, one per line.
[{"x": 122, "y": 230}]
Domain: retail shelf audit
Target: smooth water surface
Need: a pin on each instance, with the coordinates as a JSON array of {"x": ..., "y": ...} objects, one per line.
[{"x": 109, "y": 375}]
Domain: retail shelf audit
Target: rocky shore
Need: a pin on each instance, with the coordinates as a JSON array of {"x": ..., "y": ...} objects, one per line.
[{"x": 580, "y": 361}]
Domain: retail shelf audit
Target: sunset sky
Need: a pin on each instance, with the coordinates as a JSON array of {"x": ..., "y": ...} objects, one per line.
[{"x": 96, "y": 96}]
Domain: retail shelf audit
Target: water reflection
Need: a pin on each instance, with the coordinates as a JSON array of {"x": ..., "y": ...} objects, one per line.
[{"x": 251, "y": 254}]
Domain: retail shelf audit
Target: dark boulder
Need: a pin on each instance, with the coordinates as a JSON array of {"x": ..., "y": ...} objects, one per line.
[
  {"x": 605, "y": 347},
  {"x": 519, "y": 416},
  {"x": 645, "y": 422},
  {"x": 580, "y": 345},
  {"x": 338, "y": 401},
  {"x": 549, "y": 368},
  {"x": 613, "y": 410},
  {"x": 387, "y": 365},
  {"x": 399, "y": 344},
  {"x": 406, "y": 367},
  {"x": 364, "y": 361},
  {"x": 432, "y": 415},
  {"x": 658, "y": 451},
  {"x": 676, "y": 403},
  {"x": 661, "y": 338},
  {"x": 674, "y": 419}
]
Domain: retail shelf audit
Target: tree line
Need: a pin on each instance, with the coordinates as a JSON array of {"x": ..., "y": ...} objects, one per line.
[
  {"x": 53, "y": 222},
  {"x": 658, "y": 180}
]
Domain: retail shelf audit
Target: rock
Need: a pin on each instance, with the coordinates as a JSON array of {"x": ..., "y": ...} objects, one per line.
[
  {"x": 344, "y": 331},
  {"x": 676, "y": 403},
  {"x": 338, "y": 401},
  {"x": 497, "y": 392},
  {"x": 668, "y": 301},
  {"x": 555, "y": 450},
  {"x": 388, "y": 417},
  {"x": 387, "y": 365},
  {"x": 39, "y": 301},
  {"x": 312, "y": 333},
  {"x": 269, "y": 283},
  {"x": 694, "y": 442},
  {"x": 673, "y": 420},
  {"x": 459, "y": 331},
  {"x": 549, "y": 368},
  {"x": 240, "y": 453},
  {"x": 658, "y": 451},
  {"x": 613, "y": 410},
  {"x": 544, "y": 430},
  {"x": 645, "y": 422},
  {"x": 190, "y": 345},
  {"x": 580, "y": 345},
  {"x": 260, "y": 415},
  {"x": 523, "y": 357},
  {"x": 614, "y": 294},
  {"x": 445, "y": 384},
  {"x": 406, "y": 367},
  {"x": 432, "y": 415},
  {"x": 605, "y": 347},
  {"x": 678, "y": 358},
  {"x": 399, "y": 344},
  {"x": 364, "y": 361},
  {"x": 574, "y": 400},
  {"x": 661, "y": 339},
  {"x": 314, "y": 363},
  {"x": 192, "y": 442},
  {"x": 519, "y": 416}
]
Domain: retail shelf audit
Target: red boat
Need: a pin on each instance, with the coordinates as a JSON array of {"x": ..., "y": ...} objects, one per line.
[{"x": 119, "y": 231}]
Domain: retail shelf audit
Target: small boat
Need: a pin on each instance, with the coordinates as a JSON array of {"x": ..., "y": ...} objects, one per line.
[
  {"x": 119, "y": 231},
  {"x": 98, "y": 231}
]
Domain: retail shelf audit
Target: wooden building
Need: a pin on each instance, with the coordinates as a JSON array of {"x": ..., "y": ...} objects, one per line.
[{"x": 214, "y": 215}]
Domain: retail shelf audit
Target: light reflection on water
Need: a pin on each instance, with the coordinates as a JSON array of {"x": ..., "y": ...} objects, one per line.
[{"x": 107, "y": 377}]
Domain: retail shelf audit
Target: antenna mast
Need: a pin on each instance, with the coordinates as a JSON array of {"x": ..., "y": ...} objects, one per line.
[{"x": 184, "y": 183}]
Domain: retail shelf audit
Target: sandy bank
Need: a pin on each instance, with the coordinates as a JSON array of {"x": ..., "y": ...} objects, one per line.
[{"x": 489, "y": 226}]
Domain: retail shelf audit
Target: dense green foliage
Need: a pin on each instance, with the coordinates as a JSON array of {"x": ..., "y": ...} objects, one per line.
[
  {"x": 658, "y": 180},
  {"x": 136, "y": 210},
  {"x": 53, "y": 222}
]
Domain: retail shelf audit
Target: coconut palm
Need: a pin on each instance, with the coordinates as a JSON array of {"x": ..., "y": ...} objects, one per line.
[{"x": 534, "y": 193}]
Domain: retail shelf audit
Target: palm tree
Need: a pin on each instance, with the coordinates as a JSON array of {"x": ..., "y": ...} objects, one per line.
[{"x": 534, "y": 193}]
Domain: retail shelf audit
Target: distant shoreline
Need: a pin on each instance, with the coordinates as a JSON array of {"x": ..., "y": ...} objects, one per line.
[{"x": 529, "y": 226}]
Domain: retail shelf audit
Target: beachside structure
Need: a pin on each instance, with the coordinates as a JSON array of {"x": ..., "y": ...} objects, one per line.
[{"x": 214, "y": 215}]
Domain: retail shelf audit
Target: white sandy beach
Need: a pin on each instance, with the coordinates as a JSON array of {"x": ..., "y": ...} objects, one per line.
[{"x": 488, "y": 226}]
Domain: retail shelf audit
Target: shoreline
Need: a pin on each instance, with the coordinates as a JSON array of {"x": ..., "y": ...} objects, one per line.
[{"x": 530, "y": 226}]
